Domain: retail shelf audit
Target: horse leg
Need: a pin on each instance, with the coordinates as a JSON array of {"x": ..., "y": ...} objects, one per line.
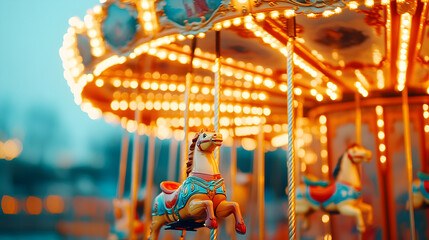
[
  {"x": 196, "y": 207},
  {"x": 348, "y": 209},
  {"x": 225, "y": 208},
  {"x": 157, "y": 223},
  {"x": 367, "y": 209}
]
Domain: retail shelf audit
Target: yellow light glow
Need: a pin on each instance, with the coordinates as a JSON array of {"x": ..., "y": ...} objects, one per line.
[
  {"x": 248, "y": 144},
  {"x": 380, "y": 79},
  {"x": 381, "y": 135},
  {"x": 353, "y": 5},
  {"x": 383, "y": 159},
  {"x": 99, "y": 82},
  {"x": 382, "y": 147},
  {"x": 325, "y": 169},
  {"x": 379, "y": 110},
  {"x": 280, "y": 140},
  {"x": 322, "y": 119},
  {"x": 260, "y": 16},
  {"x": 325, "y": 218},
  {"x": 323, "y": 129},
  {"x": 289, "y": 13},
  {"x": 369, "y": 3},
  {"x": 274, "y": 14}
]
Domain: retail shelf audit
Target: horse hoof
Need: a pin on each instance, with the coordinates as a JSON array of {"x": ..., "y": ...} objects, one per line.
[
  {"x": 240, "y": 228},
  {"x": 211, "y": 223}
]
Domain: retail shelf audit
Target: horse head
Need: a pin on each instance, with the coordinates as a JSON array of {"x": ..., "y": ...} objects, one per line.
[
  {"x": 208, "y": 141},
  {"x": 357, "y": 153}
]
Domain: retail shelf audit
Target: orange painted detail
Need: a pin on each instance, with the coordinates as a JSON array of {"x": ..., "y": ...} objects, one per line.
[
  {"x": 171, "y": 193},
  {"x": 168, "y": 187},
  {"x": 321, "y": 194}
]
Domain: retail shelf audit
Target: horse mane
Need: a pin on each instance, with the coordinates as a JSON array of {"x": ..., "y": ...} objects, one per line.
[
  {"x": 190, "y": 161},
  {"x": 338, "y": 166}
]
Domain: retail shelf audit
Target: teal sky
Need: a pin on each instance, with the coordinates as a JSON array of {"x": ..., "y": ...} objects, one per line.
[{"x": 31, "y": 72}]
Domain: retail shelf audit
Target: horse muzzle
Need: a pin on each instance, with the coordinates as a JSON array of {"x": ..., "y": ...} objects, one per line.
[{"x": 217, "y": 139}]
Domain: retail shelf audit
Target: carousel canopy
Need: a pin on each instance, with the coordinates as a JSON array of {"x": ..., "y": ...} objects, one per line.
[{"x": 128, "y": 55}]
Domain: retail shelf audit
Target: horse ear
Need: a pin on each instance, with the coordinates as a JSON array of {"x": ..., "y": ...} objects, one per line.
[
  {"x": 352, "y": 144},
  {"x": 197, "y": 134}
]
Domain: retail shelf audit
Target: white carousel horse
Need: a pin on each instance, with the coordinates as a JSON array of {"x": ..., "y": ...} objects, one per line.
[
  {"x": 421, "y": 190},
  {"x": 342, "y": 195},
  {"x": 201, "y": 198}
]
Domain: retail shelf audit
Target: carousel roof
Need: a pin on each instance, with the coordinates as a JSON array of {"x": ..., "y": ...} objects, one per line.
[{"x": 128, "y": 55}]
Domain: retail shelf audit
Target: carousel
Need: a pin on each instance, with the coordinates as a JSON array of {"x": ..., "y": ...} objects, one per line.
[{"x": 341, "y": 87}]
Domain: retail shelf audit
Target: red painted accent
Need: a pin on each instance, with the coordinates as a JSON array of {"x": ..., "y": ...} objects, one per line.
[
  {"x": 426, "y": 185},
  {"x": 321, "y": 194},
  {"x": 205, "y": 176},
  {"x": 240, "y": 227},
  {"x": 171, "y": 193},
  {"x": 138, "y": 227}
]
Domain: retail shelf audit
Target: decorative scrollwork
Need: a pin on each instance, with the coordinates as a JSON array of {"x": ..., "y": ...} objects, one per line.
[{"x": 299, "y": 3}]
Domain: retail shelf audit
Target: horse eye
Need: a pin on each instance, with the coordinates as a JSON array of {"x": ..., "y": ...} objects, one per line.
[{"x": 204, "y": 135}]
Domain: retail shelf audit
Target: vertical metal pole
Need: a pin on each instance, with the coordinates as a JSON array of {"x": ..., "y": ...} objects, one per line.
[
  {"x": 213, "y": 232},
  {"x": 233, "y": 168},
  {"x": 233, "y": 172},
  {"x": 189, "y": 80},
  {"x": 142, "y": 144},
  {"x": 407, "y": 142},
  {"x": 217, "y": 89},
  {"x": 172, "y": 163},
  {"x": 290, "y": 110},
  {"x": 261, "y": 181},
  {"x": 149, "y": 181},
  {"x": 358, "y": 122},
  {"x": 123, "y": 164},
  {"x": 254, "y": 194},
  {"x": 134, "y": 176}
]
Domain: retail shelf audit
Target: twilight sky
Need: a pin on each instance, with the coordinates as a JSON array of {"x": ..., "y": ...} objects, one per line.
[{"x": 31, "y": 75}]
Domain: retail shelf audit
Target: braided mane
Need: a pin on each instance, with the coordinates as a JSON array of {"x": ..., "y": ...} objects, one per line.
[{"x": 190, "y": 161}]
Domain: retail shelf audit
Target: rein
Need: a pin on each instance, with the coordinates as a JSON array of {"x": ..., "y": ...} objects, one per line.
[
  {"x": 205, "y": 176},
  {"x": 202, "y": 141}
]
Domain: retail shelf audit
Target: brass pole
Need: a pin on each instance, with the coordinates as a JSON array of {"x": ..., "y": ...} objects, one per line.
[
  {"x": 261, "y": 181},
  {"x": 149, "y": 181},
  {"x": 123, "y": 164},
  {"x": 134, "y": 176},
  {"x": 409, "y": 161}
]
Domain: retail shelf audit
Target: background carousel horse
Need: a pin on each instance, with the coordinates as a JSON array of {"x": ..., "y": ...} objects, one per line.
[
  {"x": 342, "y": 195},
  {"x": 122, "y": 213},
  {"x": 201, "y": 198},
  {"x": 421, "y": 190}
]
